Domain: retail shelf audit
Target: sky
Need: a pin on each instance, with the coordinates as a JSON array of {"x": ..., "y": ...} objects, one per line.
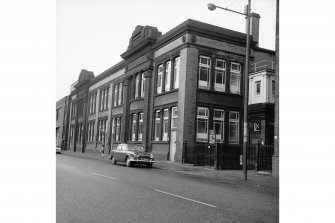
[{"x": 92, "y": 34}]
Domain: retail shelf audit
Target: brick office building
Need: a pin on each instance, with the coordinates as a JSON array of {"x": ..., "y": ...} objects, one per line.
[{"x": 172, "y": 93}]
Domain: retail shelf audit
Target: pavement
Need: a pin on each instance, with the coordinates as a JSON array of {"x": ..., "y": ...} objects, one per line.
[{"x": 258, "y": 179}]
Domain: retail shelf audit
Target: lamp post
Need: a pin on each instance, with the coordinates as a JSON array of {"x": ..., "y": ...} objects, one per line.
[{"x": 212, "y": 7}]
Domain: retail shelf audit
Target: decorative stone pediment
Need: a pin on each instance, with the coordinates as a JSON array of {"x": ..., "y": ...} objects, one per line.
[
  {"x": 141, "y": 37},
  {"x": 84, "y": 77}
]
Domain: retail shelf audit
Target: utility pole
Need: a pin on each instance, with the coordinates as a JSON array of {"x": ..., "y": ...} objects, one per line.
[
  {"x": 246, "y": 92},
  {"x": 275, "y": 157}
]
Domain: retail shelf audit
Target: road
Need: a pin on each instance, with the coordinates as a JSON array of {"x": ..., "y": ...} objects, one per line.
[{"x": 89, "y": 190}]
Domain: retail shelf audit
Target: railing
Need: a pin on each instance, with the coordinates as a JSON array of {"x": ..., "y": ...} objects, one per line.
[
  {"x": 259, "y": 157},
  {"x": 262, "y": 65}
]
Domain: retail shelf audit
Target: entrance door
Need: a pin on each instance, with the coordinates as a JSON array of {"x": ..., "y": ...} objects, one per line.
[{"x": 173, "y": 135}]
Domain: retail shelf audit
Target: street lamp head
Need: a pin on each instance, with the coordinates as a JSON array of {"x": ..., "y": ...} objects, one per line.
[{"x": 211, "y": 6}]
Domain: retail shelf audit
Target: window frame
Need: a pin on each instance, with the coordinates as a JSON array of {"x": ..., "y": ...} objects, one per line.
[
  {"x": 221, "y": 121},
  {"x": 176, "y": 72},
  {"x": 236, "y": 74},
  {"x": 206, "y": 121},
  {"x": 223, "y": 78},
  {"x": 234, "y": 122},
  {"x": 207, "y": 67}
]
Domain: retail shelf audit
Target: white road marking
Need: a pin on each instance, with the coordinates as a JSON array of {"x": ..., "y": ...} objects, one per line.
[
  {"x": 185, "y": 198},
  {"x": 104, "y": 176},
  {"x": 67, "y": 166}
]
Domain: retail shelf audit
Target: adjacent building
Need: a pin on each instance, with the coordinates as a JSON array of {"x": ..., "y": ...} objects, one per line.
[
  {"x": 62, "y": 120},
  {"x": 180, "y": 94}
]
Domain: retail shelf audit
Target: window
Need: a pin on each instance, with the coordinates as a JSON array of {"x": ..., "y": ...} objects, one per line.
[
  {"x": 165, "y": 125},
  {"x": 174, "y": 117},
  {"x": 80, "y": 131},
  {"x": 92, "y": 103},
  {"x": 118, "y": 129},
  {"x": 73, "y": 110},
  {"x": 233, "y": 127},
  {"x": 202, "y": 124},
  {"x": 257, "y": 87},
  {"x": 137, "y": 85},
  {"x": 71, "y": 133},
  {"x": 140, "y": 127},
  {"x": 167, "y": 75},
  {"x": 90, "y": 131},
  {"x": 57, "y": 113},
  {"x": 218, "y": 123},
  {"x": 235, "y": 78},
  {"x": 134, "y": 127},
  {"x": 102, "y": 126},
  {"x": 204, "y": 72},
  {"x": 273, "y": 87},
  {"x": 120, "y": 94},
  {"x": 176, "y": 73},
  {"x": 142, "y": 85},
  {"x": 220, "y": 75},
  {"x": 113, "y": 129},
  {"x": 104, "y": 99},
  {"x": 116, "y": 89},
  {"x": 157, "y": 125},
  {"x": 160, "y": 79}
]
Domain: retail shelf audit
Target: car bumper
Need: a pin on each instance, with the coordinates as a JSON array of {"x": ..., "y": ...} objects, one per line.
[{"x": 141, "y": 161}]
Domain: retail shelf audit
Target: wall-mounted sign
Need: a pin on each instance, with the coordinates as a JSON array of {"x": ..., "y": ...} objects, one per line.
[{"x": 257, "y": 126}]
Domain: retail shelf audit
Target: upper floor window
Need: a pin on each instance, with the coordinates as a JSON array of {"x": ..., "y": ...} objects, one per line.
[
  {"x": 234, "y": 129},
  {"x": 120, "y": 94},
  {"x": 220, "y": 75},
  {"x": 167, "y": 75},
  {"x": 104, "y": 99},
  {"x": 92, "y": 103},
  {"x": 116, "y": 90},
  {"x": 235, "y": 78},
  {"x": 139, "y": 85},
  {"x": 204, "y": 72},
  {"x": 257, "y": 87},
  {"x": 57, "y": 113},
  {"x": 202, "y": 124},
  {"x": 160, "y": 79},
  {"x": 142, "y": 85},
  {"x": 176, "y": 72}
]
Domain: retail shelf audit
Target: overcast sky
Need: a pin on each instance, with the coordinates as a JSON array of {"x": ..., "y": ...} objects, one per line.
[{"x": 92, "y": 34}]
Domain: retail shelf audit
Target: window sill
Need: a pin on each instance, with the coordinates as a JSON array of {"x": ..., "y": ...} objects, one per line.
[
  {"x": 219, "y": 92},
  {"x": 136, "y": 99},
  {"x": 160, "y": 142},
  {"x": 166, "y": 92}
]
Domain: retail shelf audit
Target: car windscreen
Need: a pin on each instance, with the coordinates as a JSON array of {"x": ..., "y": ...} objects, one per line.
[{"x": 136, "y": 148}]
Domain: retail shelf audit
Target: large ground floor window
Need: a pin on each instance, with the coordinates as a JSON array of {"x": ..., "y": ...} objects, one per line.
[{"x": 214, "y": 119}]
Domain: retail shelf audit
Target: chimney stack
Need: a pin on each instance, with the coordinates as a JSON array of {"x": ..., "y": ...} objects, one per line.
[{"x": 254, "y": 27}]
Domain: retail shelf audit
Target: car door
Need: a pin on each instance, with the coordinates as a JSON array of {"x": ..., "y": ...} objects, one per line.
[
  {"x": 123, "y": 153},
  {"x": 117, "y": 153}
]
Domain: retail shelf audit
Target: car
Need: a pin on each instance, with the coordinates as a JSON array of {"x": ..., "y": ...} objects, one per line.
[
  {"x": 132, "y": 154},
  {"x": 58, "y": 151}
]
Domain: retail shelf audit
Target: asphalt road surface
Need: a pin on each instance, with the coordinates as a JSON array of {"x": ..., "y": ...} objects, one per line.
[{"x": 92, "y": 191}]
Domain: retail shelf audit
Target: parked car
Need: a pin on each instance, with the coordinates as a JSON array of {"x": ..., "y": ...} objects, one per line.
[
  {"x": 58, "y": 151},
  {"x": 132, "y": 154}
]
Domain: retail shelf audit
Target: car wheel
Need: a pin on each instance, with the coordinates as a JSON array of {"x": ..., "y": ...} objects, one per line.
[
  {"x": 113, "y": 160},
  {"x": 149, "y": 165},
  {"x": 128, "y": 162}
]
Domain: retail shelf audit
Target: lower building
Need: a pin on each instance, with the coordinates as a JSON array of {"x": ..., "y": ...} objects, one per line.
[{"x": 62, "y": 118}]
